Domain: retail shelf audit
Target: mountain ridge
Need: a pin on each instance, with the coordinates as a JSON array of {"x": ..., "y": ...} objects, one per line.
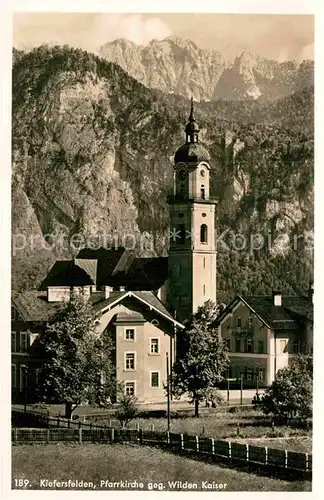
[
  {"x": 91, "y": 156},
  {"x": 176, "y": 65}
]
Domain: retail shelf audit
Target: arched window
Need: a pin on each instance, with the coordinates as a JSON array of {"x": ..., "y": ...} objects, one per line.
[
  {"x": 202, "y": 192},
  {"x": 203, "y": 233}
]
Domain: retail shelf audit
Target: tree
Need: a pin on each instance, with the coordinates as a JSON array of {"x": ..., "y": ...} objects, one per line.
[
  {"x": 290, "y": 394},
  {"x": 127, "y": 410},
  {"x": 78, "y": 366},
  {"x": 202, "y": 360}
]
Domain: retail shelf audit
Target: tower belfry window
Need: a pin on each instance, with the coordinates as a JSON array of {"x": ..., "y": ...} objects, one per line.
[
  {"x": 203, "y": 233},
  {"x": 202, "y": 192}
]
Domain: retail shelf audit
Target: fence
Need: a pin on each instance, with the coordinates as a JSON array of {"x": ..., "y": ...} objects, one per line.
[{"x": 71, "y": 431}]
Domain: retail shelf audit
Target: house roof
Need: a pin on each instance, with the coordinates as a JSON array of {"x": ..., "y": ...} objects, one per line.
[
  {"x": 34, "y": 307},
  {"x": 289, "y": 316},
  {"x": 146, "y": 297},
  {"x": 116, "y": 267}
]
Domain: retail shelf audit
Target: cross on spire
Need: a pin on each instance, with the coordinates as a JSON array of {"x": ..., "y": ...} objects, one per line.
[{"x": 192, "y": 129}]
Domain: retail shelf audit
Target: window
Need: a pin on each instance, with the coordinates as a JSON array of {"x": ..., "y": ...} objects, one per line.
[
  {"x": 260, "y": 347},
  {"x": 13, "y": 375},
  {"x": 249, "y": 345},
  {"x": 261, "y": 373},
  {"x": 296, "y": 346},
  {"x": 204, "y": 262},
  {"x": 13, "y": 314},
  {"x": 36, "y": 376},
  {"x": 13, "y": 342},
  {"x": 203, "y": 233},
  {"x": 23, "y": 342},
  {"x": 23, "y": 377},
  {"x": 249, "y": 373},
  {"x": 130, "y": 334},
  {"x": 283, "y": 344},
  {"x": 250, "y": 322},
  {"x": 227, "y": 344},
  {"x": 204, "y": 289},
  {"x": 180, "y": 235},
  {"x": 238, "y": 322},
  {"x": 238, "y": 345},
  {"x": 130, "y": 361},
  {"x": 202, "y": 192},
  {"x": 154, "y": 379},
  {"x": 154, "y": 346},
  {"x": 130, "y": 388}
]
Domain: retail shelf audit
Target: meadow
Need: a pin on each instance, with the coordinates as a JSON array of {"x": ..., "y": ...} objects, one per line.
[{"x": 155, "y": 468}]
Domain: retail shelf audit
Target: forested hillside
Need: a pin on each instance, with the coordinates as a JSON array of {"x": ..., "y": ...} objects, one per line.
[{"x": 92, "y": 152}]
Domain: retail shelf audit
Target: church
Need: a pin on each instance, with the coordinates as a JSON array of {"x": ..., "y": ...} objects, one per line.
[{"x": 142, "y": 302}]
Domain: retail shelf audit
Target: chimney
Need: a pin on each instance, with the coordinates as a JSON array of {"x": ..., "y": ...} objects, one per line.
[
  {"x": 106, "y": 291},
  {"x": 277, "y": 298},
  {"x": 310, "y": 292}
]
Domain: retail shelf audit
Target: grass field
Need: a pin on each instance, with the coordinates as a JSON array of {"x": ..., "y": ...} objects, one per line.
[
  {"x": 96, "y": 463},
  {"x": 245, "y": 423}
]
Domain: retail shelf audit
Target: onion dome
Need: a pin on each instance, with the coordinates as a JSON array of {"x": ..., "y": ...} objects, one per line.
[{"x": 192, "y": 151}]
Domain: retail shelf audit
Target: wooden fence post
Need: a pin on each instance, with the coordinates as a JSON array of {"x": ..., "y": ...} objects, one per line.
[
  {"x": 152, "y": 427},
  {"x": 112, "y": 435},
  {"x": 286, "y": 459},
  {"x": 58, "y": 421},
  {"x": 110, "y": 423},
  {"x": 306, "y": 462},
  {"x": 182, "y": 441},
  {"x": 80, "y": 433},
  {"x": 197, "y": 443},
  {"x": 229, "y": 450},
  {"x": 47, "y": 434},
  {"x": 266, "y": 455},
  {"x": 247, "y": 452},
  {"x": 168, "y": 437},
  {"x": 213, "y": 446},
  {"x": 16, "y": 434}
]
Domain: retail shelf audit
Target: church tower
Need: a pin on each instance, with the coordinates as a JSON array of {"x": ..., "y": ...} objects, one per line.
[{"x": 192, "y": 243}]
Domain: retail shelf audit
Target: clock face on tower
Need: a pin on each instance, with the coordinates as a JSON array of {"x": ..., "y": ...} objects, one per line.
[{"x": 182, "y": 173}]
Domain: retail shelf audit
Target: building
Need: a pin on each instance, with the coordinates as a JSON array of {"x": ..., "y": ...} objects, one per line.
[
  {"x": 263, "y": 333},
  {"x": 141, "y": 301},
  {"x": 192, "y": 251}
]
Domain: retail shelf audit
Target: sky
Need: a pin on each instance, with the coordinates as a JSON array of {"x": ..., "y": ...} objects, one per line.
[{"x": 279, "y": 37}]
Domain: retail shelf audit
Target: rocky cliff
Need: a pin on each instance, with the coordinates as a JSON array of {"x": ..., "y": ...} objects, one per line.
[
  {"x": 178, "y": 66},
  {"x": 92, "y": 151}
]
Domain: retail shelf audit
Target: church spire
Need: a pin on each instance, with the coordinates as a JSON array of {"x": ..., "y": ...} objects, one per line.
[
  {"x": 192, "y": 129},
  {"x": 191, "y": 116}
]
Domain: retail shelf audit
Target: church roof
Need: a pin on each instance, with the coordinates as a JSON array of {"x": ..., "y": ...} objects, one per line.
[
  {"x": 109, "y": 267},
  {"x": 192, "y": 152}
]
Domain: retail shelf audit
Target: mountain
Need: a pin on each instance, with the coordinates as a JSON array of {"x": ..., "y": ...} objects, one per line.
[
  {"x": 92, "y": 156},
  {"x": 172, "y": 65},
  {"x": 178, "y": 66},
  {"x": 255, "y": 77}
]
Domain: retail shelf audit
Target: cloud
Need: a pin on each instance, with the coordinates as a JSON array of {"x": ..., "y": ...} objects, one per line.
[
  {"x": 132, "y": 27},
  {"x": 88, "y": 31},
  {"x": 307, "y": 52}
]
